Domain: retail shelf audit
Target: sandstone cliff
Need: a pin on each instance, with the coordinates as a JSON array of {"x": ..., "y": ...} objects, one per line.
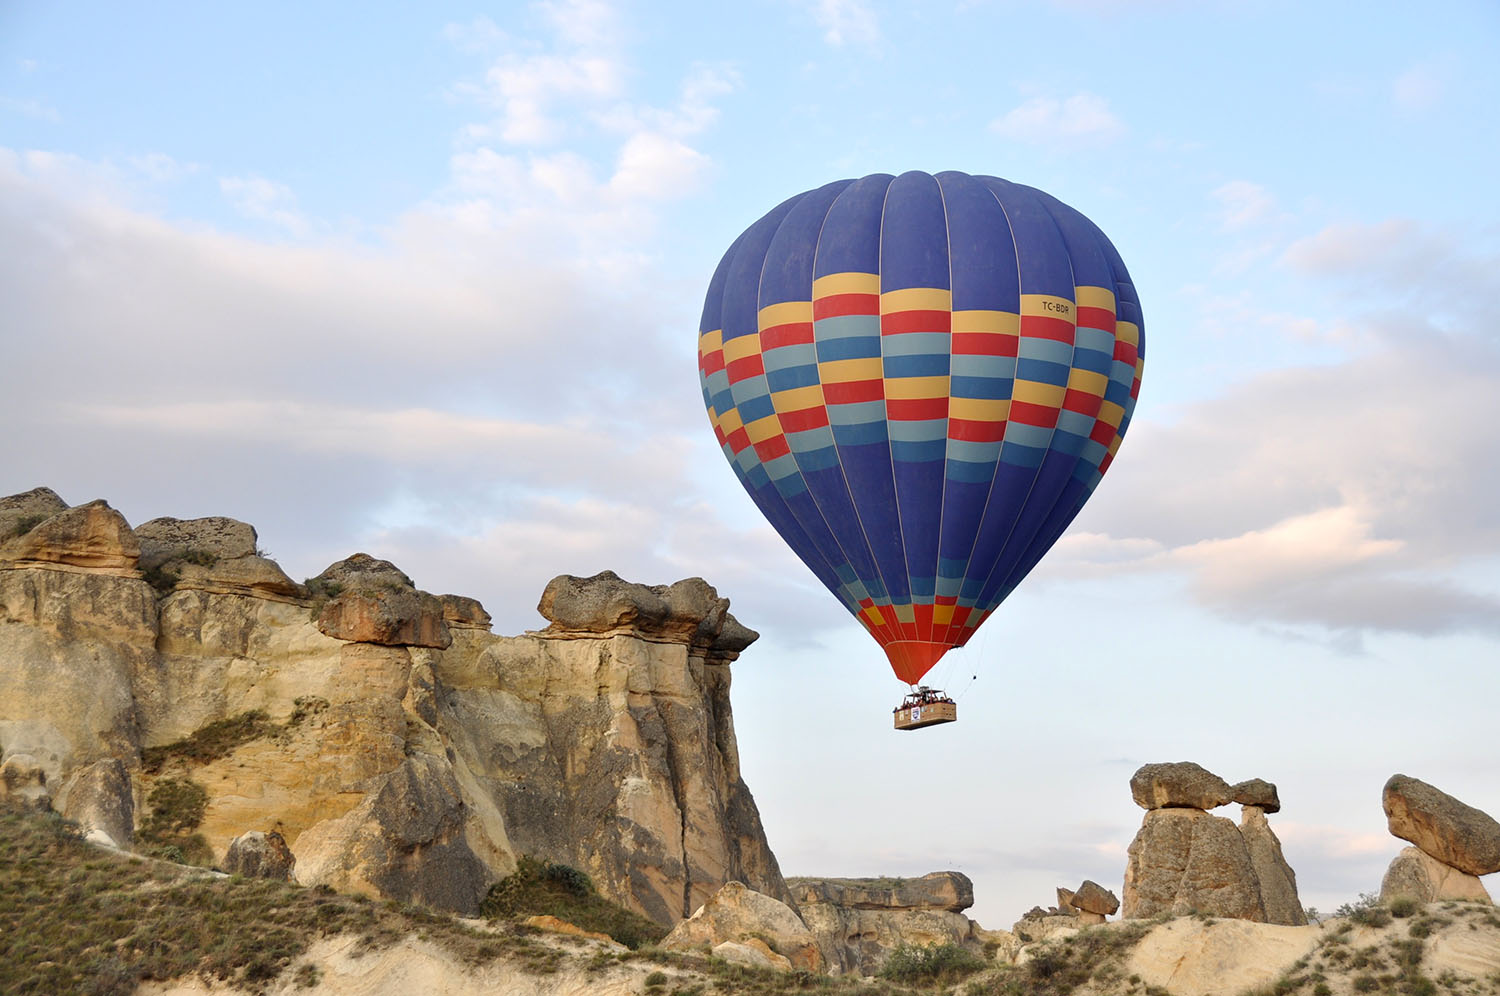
[{"x": 170, "y": 683}]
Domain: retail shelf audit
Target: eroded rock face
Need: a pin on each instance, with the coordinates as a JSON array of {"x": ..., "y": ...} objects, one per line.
[
  {"x": 1178, "y": 784},
  {"x": 858, "y": 941},
  {"x": 1277, "y": 881},
  {"x": 1184, "y": 860},
  {"x": 92, "y": 536},
  {"x": 736, "y": 913},
  {"x": 1422, "y": 877},
  {"x": 1450, "y": 831},
  {"x": 945, "y": 890},
  {"x": 259, "y": 854},
  {"x": 21, "y": 513},
  {"x": 99, "y": 799},
  {"x": 166, "y": 539}
]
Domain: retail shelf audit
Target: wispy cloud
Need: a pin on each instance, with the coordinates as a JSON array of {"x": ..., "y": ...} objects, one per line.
[
  {"x": 260, "y": 199},
  {"x": 847, "y": 22},
  {"x": 1243, "y": 204},
  {"x": 30, "y": 107},
  {"x": 1082, "y": 119}
]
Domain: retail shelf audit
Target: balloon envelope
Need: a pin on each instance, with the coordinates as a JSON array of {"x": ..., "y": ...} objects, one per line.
[{"x": 920, "y": 380}]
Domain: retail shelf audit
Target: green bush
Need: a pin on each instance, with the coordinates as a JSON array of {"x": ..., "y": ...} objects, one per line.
[
  {"x": 1404, "y": 906},
  {"x": 935, "y": 964}
]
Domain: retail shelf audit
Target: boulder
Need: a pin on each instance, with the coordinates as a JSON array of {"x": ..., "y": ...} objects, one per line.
[
  {"x": 24, "y": 780},
  {"x": 1184, "y": 861},
  {"x": 93, "y": 537},
  {"x": 753, "y": 952},
  {"x": 464, "y": 612},
  {"x": 390, "y": 618},
  {"x": 1277, "y": 881},
  {"x": 99, "y": 799},
  {"x": 213, "y": 538},
  {"x": 363, "y": 571},
  {"x": 1456, "y": 834},
  {"x": 1092, "y": 897},
  {"x": 945, "y": 890},
  {"x": 1178, "y": 784},
  {"x": 1418, "y": 875},
  {"x": 858, "y": 941},
  {"x": 259, "y": 854},
  {"x": 1037, "y": 925},
  {"x": 1256, "y": 792},
  {"x": 21, "y": 513},
  {"x": 689, "y": 611},
  {"x": 737, "y": 913}
]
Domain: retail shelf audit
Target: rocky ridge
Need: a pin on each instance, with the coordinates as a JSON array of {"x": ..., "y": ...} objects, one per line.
[{"x": 393, "y": 743}]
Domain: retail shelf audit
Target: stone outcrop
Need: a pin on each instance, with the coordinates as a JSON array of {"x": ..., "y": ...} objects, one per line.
[
  {"x": 1418, "y": 875},
  {"x": 1277, "y": 881},
  {"x": 859, "y": 921},
  {"x": 1184, "y": 861},
  {"x": 1456, "y": 834},
  {"x": 944, "y": 890},
  {"x": 397, "y": 746},
  {"x": 93, "y": 536},
  {"x": 736, "y": 913},
  {"x": 1178, "y": 784},
  {"x": 258, "y": 854}
]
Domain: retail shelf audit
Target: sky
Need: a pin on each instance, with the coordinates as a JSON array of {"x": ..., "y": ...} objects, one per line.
[{"x": 423, "y": 280}]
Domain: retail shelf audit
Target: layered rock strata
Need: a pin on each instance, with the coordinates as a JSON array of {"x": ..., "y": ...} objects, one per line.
[{"x": 393, "y": 743}]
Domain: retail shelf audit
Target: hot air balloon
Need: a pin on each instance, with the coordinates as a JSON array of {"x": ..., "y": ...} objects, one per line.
[{"x": 920, "y": 379}]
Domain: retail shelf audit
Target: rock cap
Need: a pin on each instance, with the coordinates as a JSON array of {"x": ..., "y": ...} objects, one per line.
[
  {"x": 1091, "y": 897},
  {"x": 1256, "y": 792},
  {"x": 1178, "y": 784},
  {"x": 1455, "y": 833},
  {"x": 942, "y": 890}
]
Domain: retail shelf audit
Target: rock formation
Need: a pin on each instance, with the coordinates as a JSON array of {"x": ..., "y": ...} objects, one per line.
[
  {"x": 396, "y": 745},
  {"x": 1186, "y": 860},
  {"x": 1455, "y": 843},
  {"x": 1093, "y": 902},
  {"x": 858, "y": 921},
  {"x": 260, "y": 855},
  {"x": 738, "y": 915}
]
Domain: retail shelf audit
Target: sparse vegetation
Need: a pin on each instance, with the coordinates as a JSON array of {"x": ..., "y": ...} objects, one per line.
[
  {"x": 541, "y": 887},
  {"x": 76, "y": 920},
  {"x": 321, "y": 591},
  {"x": 211, "y": 742},
  {"x": 930, "y": 965},
  {"x": 1365, "y": 911}
]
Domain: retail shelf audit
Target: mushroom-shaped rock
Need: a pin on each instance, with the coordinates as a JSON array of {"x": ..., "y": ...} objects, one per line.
[
  {"x": 1256, "y": 792},
  {"x": 1456, "y": 834},
  {"x": 1092, "y": 897},
  {"x": 944, "y": 890},
  {"x": 1424, "y": 878},
  {"x": 260, "y": 854},
  {"x": 1178, "y": 784},
  {"x": 92, "y": 536},
  {"x": 374, "y": 602},
  {"x": 738, "y": 913}
]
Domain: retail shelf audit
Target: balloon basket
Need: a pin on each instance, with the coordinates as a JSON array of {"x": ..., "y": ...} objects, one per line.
[{"x": 925, "y": 707}]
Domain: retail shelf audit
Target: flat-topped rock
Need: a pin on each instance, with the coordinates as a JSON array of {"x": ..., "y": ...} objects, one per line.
[
  {"x": 1455, "y": 833},
  {"x": 1178, "y": 784},
  {"x": 689, "y": 611},
  {"x": 212, "y": 538},
  {"x": 944, "y": 890},
  {"x": 92, "y": 536}
]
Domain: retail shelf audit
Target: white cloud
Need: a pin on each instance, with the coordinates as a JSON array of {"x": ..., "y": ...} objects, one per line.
[
  {"x": 30, "y": 107},
  {"x": 1243, "y": 204},
  {"x": 1082, "y": 119},
  {"x": 656, "y": 166},
  {"x": 846, "y": 22},
  {"x": 1419, "y": 88},
  {"x": 161, "y": 168},
  {"x": 260, "y": 199}
]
